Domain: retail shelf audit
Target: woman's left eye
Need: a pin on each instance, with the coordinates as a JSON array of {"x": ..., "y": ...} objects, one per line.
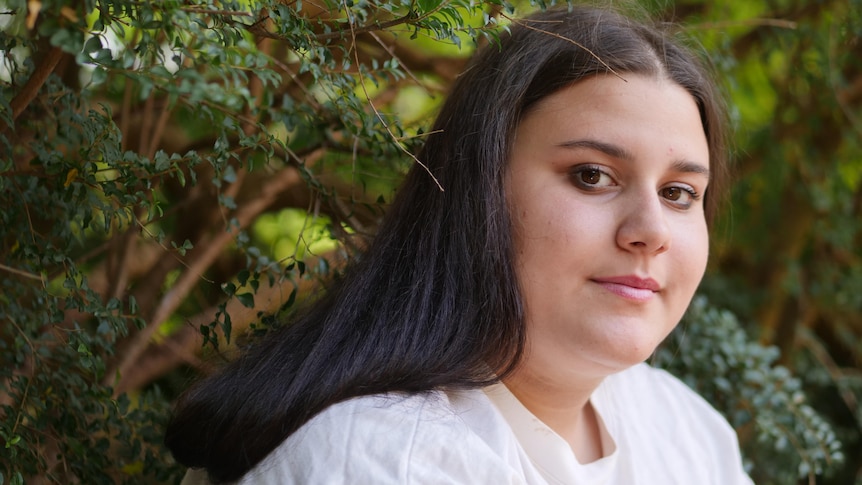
[{"x": 680, "y": 196}]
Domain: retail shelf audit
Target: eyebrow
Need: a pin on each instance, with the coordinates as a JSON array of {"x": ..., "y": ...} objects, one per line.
[
  {"x": 600, "y": 146},
  {"x": 682, "y": 166}
]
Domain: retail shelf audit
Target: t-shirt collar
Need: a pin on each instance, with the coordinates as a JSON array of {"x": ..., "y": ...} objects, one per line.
[{"x": 548, "y": 451}]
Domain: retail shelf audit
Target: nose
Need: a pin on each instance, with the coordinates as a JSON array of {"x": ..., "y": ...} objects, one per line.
[{"x": 643, "y": 227}]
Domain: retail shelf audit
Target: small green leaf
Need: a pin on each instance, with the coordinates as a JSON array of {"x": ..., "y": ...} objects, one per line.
[
  {"x": 290, "y": 300},
  {"x": 14, "y": 441},
  {"x": 92, "y": 45},
  {"x": 227, "y": 328},
  {"x": 247, "y": 299},
  {"x": 242, "y": 277}
]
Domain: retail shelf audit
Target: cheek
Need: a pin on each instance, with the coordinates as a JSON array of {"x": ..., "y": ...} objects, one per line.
[
  {"x": 693, "y": 255},
  {"x": 548, "y": 230}
]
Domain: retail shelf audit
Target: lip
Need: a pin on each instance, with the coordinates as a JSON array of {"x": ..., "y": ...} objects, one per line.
[{"x": 630, "y": 287}]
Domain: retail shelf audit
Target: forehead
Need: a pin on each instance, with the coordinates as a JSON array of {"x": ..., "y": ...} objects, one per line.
[{"x": 633, "y": 116}]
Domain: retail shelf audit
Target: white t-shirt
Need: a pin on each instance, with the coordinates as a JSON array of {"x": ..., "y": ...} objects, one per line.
[{"x": 662, "y": 434}]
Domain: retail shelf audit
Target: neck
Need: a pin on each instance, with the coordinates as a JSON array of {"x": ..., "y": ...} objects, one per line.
[{"x": 564, "y": 406}]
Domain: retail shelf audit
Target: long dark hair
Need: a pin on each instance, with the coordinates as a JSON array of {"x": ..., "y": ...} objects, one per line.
[{"x": 434, "y": 302}]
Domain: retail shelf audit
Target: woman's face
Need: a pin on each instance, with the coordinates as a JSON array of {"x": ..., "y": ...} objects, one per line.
[{"x": 605, "y": 185}]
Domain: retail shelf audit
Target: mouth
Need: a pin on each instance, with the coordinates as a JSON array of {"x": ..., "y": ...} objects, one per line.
[{"x": 630, "y": 287}]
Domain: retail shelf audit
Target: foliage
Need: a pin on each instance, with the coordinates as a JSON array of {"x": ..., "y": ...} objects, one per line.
[
  {"x": 790, "y": 260},
  {"x": 171, "y": 171},
  {"x": 142, "y": 143},
  {"x": 783, "y": 437}
]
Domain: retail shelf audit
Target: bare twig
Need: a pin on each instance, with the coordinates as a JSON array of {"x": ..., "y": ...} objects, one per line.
[
  {"x": 144, "y": 141},
  {"x": 22, "y": 273},
  {"x": 295, "y": 78},
  {"x": 808, "y": 340},
  {"x": 125, "y": 112},
  {"x": 226, "y": 13},
  {"x": 158, "y": 131},
  {"x": 407, "y": 19},
  {"x": 595, "y": 56},
  {"x": 755, "y": 22},
  {"x": 377, "y": 113},
  {"x": 26, "y": 371},
  {"x": 128, "y": 91},
  {"x": 391, "y": 52}
]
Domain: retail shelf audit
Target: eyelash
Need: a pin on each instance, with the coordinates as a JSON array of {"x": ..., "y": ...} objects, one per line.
[{"x": 578, "y": 173}]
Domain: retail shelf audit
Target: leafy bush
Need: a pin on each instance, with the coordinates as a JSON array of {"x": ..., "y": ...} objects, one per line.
[{"x": 783, "y": 437}]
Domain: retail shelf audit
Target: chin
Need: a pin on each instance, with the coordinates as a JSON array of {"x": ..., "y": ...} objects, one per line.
[{"x": 627, "y": 356}]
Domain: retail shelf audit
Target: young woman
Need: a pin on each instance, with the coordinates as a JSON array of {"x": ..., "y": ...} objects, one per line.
[{"x": 495, "y": 332}]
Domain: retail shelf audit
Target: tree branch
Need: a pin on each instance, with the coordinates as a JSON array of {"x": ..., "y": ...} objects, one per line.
[
  {"x": 31, "y": 88},
  {"x": 206, "y": 252},
  {"x": 185, "y": 344}
]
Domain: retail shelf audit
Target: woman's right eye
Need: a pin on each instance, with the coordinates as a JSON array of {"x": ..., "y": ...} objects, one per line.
[{"x": 590, "y": 177}]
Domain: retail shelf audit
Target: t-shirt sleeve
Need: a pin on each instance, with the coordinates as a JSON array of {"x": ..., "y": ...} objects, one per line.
[
  {"x": 389, "y": 439},
  {"x": 195, "y": 477}
]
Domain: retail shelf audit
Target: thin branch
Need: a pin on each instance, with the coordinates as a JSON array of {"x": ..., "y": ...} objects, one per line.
[
  {"x": 34, "y": 355},
  {"x": 128, "y": 91},
  {"x": 407, "y": 19},
  {"x": 226, "y": 13},
  {"x": 118, "y": 277},
  {"x": 185, "y": 345},
  {"x": 158, "y": 131},
  {"x": 377, "y": 26},
  {"x": 391, "y": 52},
  {"x": 22, "y": 273},
  {"x": 849, "y": 94},
  {"x": 125, "y": 111},
  {"x": 155, "y": 238},
  {"x": 295, "y": 78},
  {"x": 146, "y": 122},
  {"x": 755, "y": 22},
  {"x": 26, "y": 371},
  {"x": 808, "y": 340},
  {"x": 216, "y": 107},
  {"x": 572, "y": 41},
  {"x": 844, "y": 97},
  {"x": 377, "y": 113}
]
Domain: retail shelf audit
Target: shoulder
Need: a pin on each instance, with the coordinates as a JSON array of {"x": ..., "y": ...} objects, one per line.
[
  {"x": 646, "y": 392},
  {"x": 658, "y": 415},
  {"x": 658, "y": 382},
  {"x": 390, "y": 438}
]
